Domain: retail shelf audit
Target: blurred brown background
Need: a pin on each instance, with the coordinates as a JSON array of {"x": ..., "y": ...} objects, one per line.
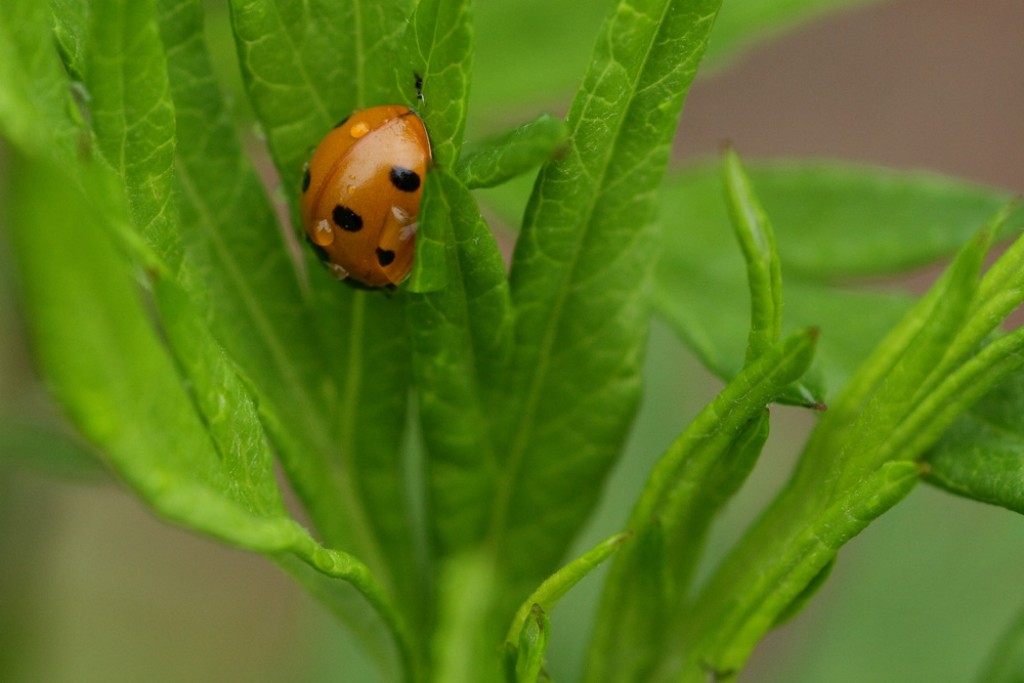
[{"x": 937, "y": 84}]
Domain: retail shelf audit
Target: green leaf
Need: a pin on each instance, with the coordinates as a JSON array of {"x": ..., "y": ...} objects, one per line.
[
  {"x": 461, "y": 338},
  {"x": 307, "y": 65},
  {"x": 133, "y": 118},
  {"x": 934, "y": 365},
  {"x": 804, "y": 597},
  {"x": 533, "y": 643},
  {"x": 69, "y": 31},
  {"x": 580, "y": 275},
  {"x": 647, "y": 586},
  {"x": 904, "y": 370},
  {"x": 831, "y": 221},
  {"x": 116, "y": 381},
  {"x": 342, "y": 379},
  {"x": 561, "y": 582},
  {"x": 439, "y": 49},
  {"x": 757, "y": 241},
  {"x": 981, "y": 456},
  {"x": 712, "y": 457},
  {"x": 764, "y": 275},
  {"x": 639, "y": 629},
  {"x": 502, "y": 157},
  {"x": 930, "y": 368},
  {"x": 121, "y": 387},
  {"x": 838, "y": 220},
  {"x": 438, "y": 54},
  {"x": 1006, "y": 663},
  {"x": 723, "y": 645},
  {"x": 429, "y": 269},
  {"x": 326, "y": 366},
  {"x": 956, "y": 393}
]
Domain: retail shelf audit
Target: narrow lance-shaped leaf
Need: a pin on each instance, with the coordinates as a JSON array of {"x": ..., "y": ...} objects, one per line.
[
  {"x": 437, "y": 66},
  {"x": 133, "y": 118},
  {"x": 926, "y": 381},
  {"x": 647, "y": 586},
  {"x": 533, "y": 643},
  {"x": 723, "y": 646},
  {"x": 580, "y": 275},
  {"x": 960, "y": 390},
  {"x": 122, "y": 389},
  {"x": 764, "y": 273},
  {"x": 434, "y": 74},
  {"x": 119, "y": 385},
  {"x": 909, "y": 380},
  {"x": 461, "y": 331},
  {"x": 561, "y": 582},
  {"x": 912, "y": 389},
  {"x": 461, "y": 337},
  {"x": 69, "y": 19},
  {"x": 242, "y": 274},
  {"x": 500, "y": 158},
  {"x": 981, "y": 456},
  {"x": 757, "y": 241},
  {"x": 844, "y": 437},
  {"x": 160, "y": 445},
  {"x": 999, "y": 293}
]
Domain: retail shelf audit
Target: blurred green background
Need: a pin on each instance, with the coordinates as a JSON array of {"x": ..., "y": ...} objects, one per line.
[{"x": 93, "y": 588}]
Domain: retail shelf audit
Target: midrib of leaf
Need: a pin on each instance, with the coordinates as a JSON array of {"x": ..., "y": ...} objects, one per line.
[
  {"x": 367, "y": 541},
  {"x": 526, "y": 425}
]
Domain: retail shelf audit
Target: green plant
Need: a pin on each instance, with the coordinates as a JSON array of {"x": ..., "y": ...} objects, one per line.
[{"x": 189, "y": 345}]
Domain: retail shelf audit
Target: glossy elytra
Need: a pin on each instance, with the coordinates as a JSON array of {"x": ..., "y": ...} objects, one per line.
[{"x": 361, "y": 194}]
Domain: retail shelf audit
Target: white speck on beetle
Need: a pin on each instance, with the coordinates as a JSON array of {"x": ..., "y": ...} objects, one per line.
[
  {"x": 408, "y": 231},
  {"x": 401, "y": 214}
]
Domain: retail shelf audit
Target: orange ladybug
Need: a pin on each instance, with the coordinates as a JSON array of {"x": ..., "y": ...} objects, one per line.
[{"x": 361, "y": 194}]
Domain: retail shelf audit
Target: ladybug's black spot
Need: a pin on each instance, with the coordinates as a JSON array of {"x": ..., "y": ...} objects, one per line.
[
  {"x": 305, "y": 180},
  {"x": 385, "y": 256},
  {"x": 347, "y": 219},
  {"x": 405, "y": 179},
  {"x": 320, "y": 252},
  {"x": 341, "y": 123}
]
